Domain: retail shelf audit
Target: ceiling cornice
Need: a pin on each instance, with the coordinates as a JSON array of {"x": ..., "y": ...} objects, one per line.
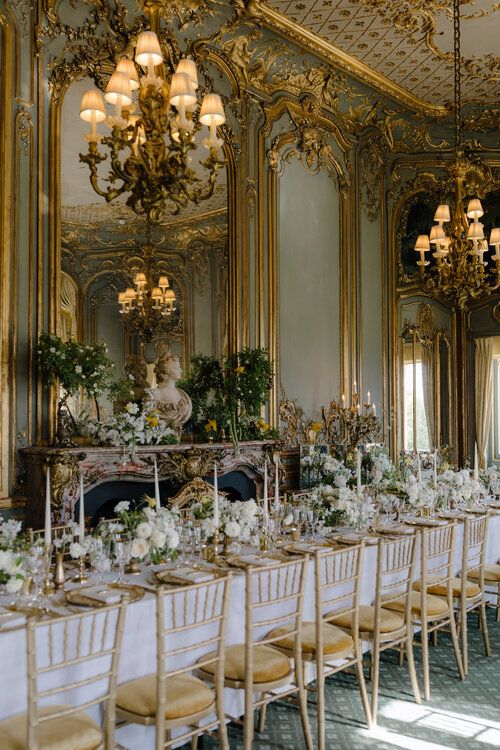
[{"x": 277, "y": 22}]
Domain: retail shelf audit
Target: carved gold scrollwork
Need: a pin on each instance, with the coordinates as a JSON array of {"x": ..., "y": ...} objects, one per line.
[
  {"x": 186, "y": 465},
  {"x": 372, "y": 175},
  {"x": 64, "y": 473}
]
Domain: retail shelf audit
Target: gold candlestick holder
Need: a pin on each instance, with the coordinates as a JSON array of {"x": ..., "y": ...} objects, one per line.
[
  {"x": 81, "y": 577},
  {"x": 48, "y": 585},
  {"x": 213, "y": 549}
]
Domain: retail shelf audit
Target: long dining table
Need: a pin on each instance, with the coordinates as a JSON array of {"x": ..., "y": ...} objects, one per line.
[{"x": 138, "y": 655}]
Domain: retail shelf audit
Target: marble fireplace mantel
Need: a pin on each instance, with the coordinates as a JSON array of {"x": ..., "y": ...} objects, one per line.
[{"x": 178, "y": 463}]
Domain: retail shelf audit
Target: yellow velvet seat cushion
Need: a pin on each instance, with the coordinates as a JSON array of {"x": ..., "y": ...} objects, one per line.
[
  {"x": 73, "y": 732},
  {"x": 335, "y": 640},
  {"x": 491, "y": 573},
  {"x": 389, "y": 621},
  {"x": 436, "y": 606},
  {"x": 439, "y": 589},
  {"x": 186, "y": 695},
  {"x": 268, "y": 664}
]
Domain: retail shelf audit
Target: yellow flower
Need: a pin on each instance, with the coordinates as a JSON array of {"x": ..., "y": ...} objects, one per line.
[
  {"x": 262, "y": 425},
  {"x": 211, "y": 425},
  {"x": 239, "y": 370},
  {"x": 316, "y": 426},
  {"x": 152, "y": 420},
  {"x": 151, "y": 501}
]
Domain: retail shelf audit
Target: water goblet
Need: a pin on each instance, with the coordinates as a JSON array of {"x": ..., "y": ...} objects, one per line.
[
  {"x": 122, "y": 548},
  {"x": 99, "y": 558}
]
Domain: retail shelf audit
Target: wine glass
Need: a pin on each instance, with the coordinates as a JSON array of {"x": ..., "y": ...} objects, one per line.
[
  {"x": 99, "y": 558},
  {"x": 122, "y": 549}
]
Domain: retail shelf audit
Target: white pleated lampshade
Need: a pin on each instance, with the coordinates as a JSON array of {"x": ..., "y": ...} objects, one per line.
[
  {"x": 118, "y": 90},
  {"x": 92, "y": 103},
  {"x": 475, "y": 209},
  {"x": 442, "y": 213},
  {"x": 212, "y": 111},
  {"x": 163, "y": 282},
  {"x": 181, "y": 90},
  {"x": 437, "y": 233},
  {"x": 422, "y": 243},
  {"x": 188, "y": 66},
  {"x": 495, "y": 236},
  {"x": 148, "y": 50},
  {"x": 476, "y": 231},
  {"x": 127, "y": 66}
]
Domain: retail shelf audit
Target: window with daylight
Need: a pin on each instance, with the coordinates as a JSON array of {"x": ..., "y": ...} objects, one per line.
[{"x": 416, "y": 433}]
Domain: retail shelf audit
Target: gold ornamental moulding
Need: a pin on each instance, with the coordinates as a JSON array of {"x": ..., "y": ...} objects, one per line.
[{"x": 276, "y": 21}]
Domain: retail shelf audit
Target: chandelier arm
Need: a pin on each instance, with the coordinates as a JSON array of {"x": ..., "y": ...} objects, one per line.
[{"x": 93, "y": 159}]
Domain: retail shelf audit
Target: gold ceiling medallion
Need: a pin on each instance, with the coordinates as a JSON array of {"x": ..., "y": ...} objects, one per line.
[
  {"x": 149, "y": 147},
  {"x": 460, "y": 273}
]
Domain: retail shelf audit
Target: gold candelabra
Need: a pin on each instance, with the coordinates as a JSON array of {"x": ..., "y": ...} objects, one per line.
[{"x": 352, "y": 425}]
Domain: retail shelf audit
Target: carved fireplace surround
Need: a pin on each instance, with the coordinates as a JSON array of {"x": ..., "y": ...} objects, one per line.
[{"x": 178, "y": 464}]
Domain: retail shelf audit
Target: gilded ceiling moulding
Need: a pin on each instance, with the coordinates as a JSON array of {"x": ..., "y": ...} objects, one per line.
[{"x": 334, "y": 56}]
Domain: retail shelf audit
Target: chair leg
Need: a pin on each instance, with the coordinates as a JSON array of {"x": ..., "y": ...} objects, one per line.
[
  {"x": 262, "y": 718},
  {"x": 401, "y": 655},
  {"x": 248, "y": 728},
  {"x": 425, "y": 661},
  {"x": 456, "y": 645},
  {"x": 484, "y": 624},
  {"x": 370, "y": 719},
  {"x": 462, "y": 635},
  {"x": 375, "y": 679},
  {"x": 320, "y": 703},
  {"x": 299, "y": 676},
  {"x": 411, "y": 666},
  {"x": 194, "y": 742},
  {"x": 435, "y": 638}
]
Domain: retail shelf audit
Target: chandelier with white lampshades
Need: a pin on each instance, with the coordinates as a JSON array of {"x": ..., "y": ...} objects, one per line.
[
  {"x": 153, "y": 125},
  {"x": 461, "y": 271}
]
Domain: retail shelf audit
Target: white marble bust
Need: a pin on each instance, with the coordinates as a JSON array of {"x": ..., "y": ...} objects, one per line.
[{"x": 173, "y": 404}]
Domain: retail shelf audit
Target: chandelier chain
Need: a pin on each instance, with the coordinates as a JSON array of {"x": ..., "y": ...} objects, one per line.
[{"x": 456, "y": 74}]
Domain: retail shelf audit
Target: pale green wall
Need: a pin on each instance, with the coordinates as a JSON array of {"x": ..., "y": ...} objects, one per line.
[{"x": 309, "y": 322}]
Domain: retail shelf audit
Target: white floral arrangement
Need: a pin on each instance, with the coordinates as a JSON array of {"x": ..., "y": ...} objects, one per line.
[
  {"x": 491, "y": 479},
  {"x": 381, "y": 469},
  {"x": 153, "y": 532},
  {"x": 12, "y": 570},
  {"x": 419, "y": 495},
  {"x": 340, "y": 506},
  {"x": 325, "y": 469},
  {"x": 70, "y": 543},
  {"x": 136, "y": 425},
  {"x": 239, "y": 519},
  {"x": 458, "y": 487}
]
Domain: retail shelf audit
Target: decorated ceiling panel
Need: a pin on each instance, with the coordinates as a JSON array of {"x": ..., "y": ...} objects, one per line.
[{"x": 410, "y": 42}]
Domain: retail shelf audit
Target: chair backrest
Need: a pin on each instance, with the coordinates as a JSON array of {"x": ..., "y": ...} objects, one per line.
[
  {"x": 395, "y": 572},
  {"x": 337, "y": 581},
  {"x": 436, "y": 557},
  {"x": 35, "y": 535},
  {"x": 474, "y": 548},
  {"x": 74, "y": 656},
  {"x": 273, "y": 598},
  {"x": 191, "y": 631}
]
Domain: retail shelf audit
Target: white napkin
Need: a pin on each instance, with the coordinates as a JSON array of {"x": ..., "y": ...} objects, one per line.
[
  {"x": 424, "y": 521},
  {"x": 190, "y": 576},
  {"x": 256, "y": 560},
  {"x": 305, "y": 547},
  {"x": 397, "y": 530},
  {"x": 354, "y": 537},
  {"x": 102, "y": 594}
]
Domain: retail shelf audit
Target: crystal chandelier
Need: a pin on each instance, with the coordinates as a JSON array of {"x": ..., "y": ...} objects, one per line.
[
  {"x": 460, "y": 273},
  {"x": 153, "y": 128},
  {"x": 147, "y": 309}
]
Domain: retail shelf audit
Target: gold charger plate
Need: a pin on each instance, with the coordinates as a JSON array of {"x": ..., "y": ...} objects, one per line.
[
  {"x": 36, "y": 612},
  {"x": 77, "y": 596},
  {"x": 236, "y": 562}
]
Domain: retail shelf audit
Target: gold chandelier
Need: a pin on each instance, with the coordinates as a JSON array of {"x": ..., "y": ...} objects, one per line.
[
  {"x": 153, "y": 129},
  {"x": 146, "y": 309},
  {"x": 460, "y": 273}
]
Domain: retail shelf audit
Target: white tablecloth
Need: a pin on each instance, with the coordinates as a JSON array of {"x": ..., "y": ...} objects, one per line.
[{"x": 138, "y": 656}]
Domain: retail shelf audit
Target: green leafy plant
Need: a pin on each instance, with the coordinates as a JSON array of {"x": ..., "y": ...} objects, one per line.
[
  {"x": 78, "y": 366},
  {"x": 228, "y": 396}
]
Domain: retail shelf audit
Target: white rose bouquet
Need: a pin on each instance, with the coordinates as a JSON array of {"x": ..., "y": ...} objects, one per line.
[
  {"x": 12, "y": 544},
  {"x": 325, "y": 469},
  {"x": 239, "y": 519},
  {"x": 136, "y": 425}
]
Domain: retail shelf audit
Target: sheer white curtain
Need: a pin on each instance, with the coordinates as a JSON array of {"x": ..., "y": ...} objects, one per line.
[
  {"x": 484, "y": 394},
  {"x": 427, "y": 351}
]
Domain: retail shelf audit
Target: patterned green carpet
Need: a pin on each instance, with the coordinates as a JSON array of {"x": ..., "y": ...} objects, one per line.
[{"x": 460, "y": 715}]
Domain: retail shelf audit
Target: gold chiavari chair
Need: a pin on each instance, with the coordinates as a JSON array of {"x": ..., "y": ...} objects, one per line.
[
  {"x": 430, "y": 612},
  {"x": 76, "y": 656},
  {"x": 380, "y": 626},
  {"x": 273, "y": 597},
  {"x": 469, "y": 595},
  {"x": 38, "y": 535},
  {"x": 337, "y": 581},
  {"x": 491, "y": 582},
  {"x": 190, "y": 632}
]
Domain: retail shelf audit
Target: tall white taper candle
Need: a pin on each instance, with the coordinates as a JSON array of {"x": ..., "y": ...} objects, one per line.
[
  {"x": 277, "y": 481},
  {"x": 435, "y": 472},
  {"x": 157, "y": 485},
  {"x": 476, "y": 463},
  {"x": 266, "y": 493},
  {"x": 216, "y": 498},
  {"x": 82, "y": 511},
  {"x": 48, "y": 522},
  {"x": 419, "y": 469},
  {"x": 358, "y": 471}
]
